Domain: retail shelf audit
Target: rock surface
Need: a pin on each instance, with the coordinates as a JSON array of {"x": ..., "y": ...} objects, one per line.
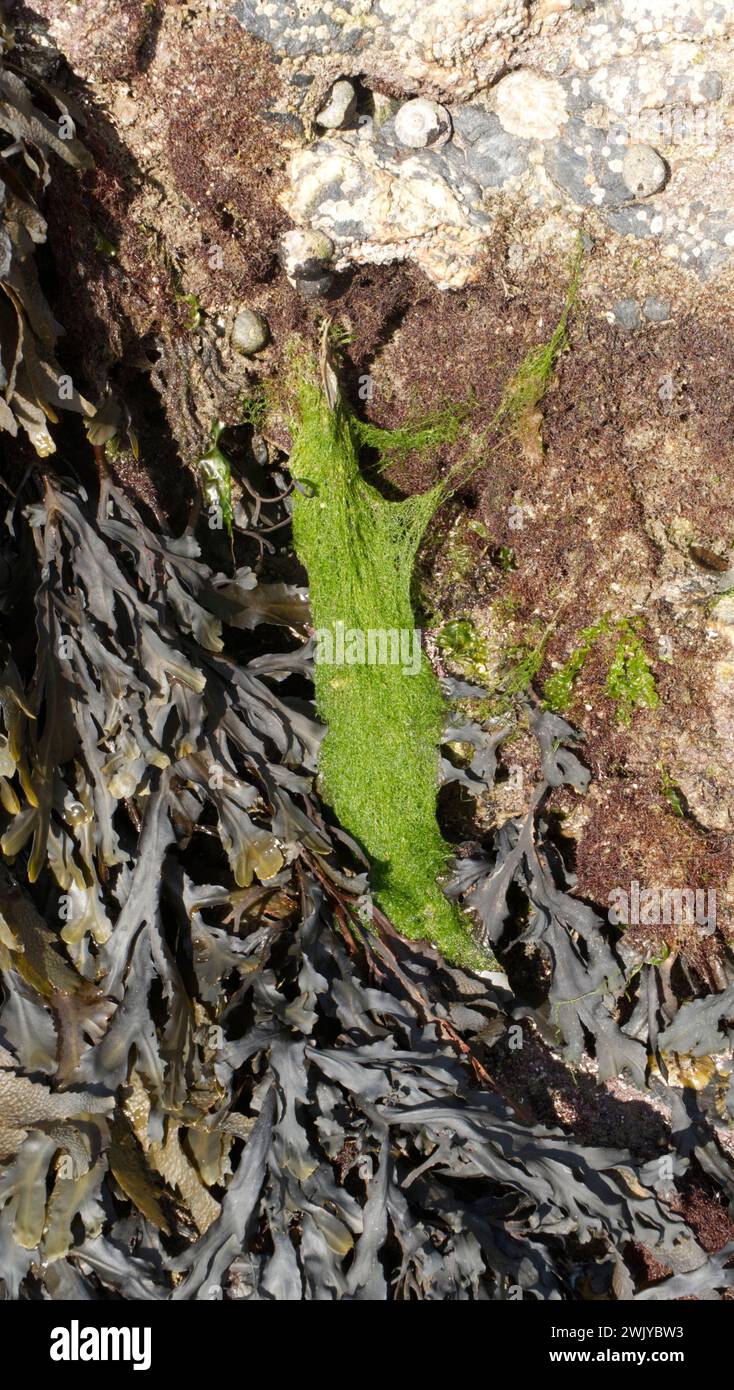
[
  {"x": 627, "y": 314},
  {"x": 656, "y": 310},
  {"x": 643, "y": 171},
  {"x": 449, "y": 49},
  {"x": 305, "y": 254},
  {"x": 616, "y": 111}
]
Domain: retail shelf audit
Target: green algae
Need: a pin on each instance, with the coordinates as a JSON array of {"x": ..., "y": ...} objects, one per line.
[
  {"x": 630, "y": 681},
  {"x": 384, "y": 719},
  {"x": 518, "y": 410},
  {"x": 215, "y": 472},
  {"x": 460, "y": 641},
  {"x": 558, "y": 690}
]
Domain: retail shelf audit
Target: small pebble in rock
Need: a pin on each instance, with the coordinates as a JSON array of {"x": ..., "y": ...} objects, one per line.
[
  {"x": 340, "y": 107},
  {"x": 306, "y": 254},
  {"x": 314, "y": 287},
  {"x": 656, "y": 310},
  {"x": 627, "y": 313},
  {"x": 420, "y": 123},
  {"x": 250, "y": 332},
  {"x": 643, "y": 171}
]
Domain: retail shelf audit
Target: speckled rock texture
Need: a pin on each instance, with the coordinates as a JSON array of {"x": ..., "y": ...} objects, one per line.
[
  {"x": 620, "y": 110},
  {"x": 448, "y": 49}
]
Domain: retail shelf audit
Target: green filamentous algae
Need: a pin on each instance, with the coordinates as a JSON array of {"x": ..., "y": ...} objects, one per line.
[{"x": 380, "y": 755}]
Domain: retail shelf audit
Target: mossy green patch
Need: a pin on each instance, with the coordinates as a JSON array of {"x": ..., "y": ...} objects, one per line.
[
  {"x": 380, "y": 755},
  {"x": 630, "y": 680}
]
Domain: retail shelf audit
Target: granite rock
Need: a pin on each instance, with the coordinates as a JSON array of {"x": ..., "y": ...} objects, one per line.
[{"x": 618, "y": 109}]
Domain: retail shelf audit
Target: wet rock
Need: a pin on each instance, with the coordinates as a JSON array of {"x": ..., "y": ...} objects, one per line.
[
  {"x": 492, "y": 156},
  {"x": 711, "y": 86},
  {"x": 643, "y": 171},
  {"x": 568, "y": 167},
  {"x": 260, "y": 451},
  {"x": 627, "y": 314},
  {"x": 656, "y": 310},
  {"x": 340, "y": 108},
  {"x": 315, "y": 288},
  {"x": 582, "y": 164},
  {"x": 250, "y": 332},
  {"x": 635, "y": 221},
  {"x": 419, "y": 123},
  {"x": 380, "y": 204}
]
